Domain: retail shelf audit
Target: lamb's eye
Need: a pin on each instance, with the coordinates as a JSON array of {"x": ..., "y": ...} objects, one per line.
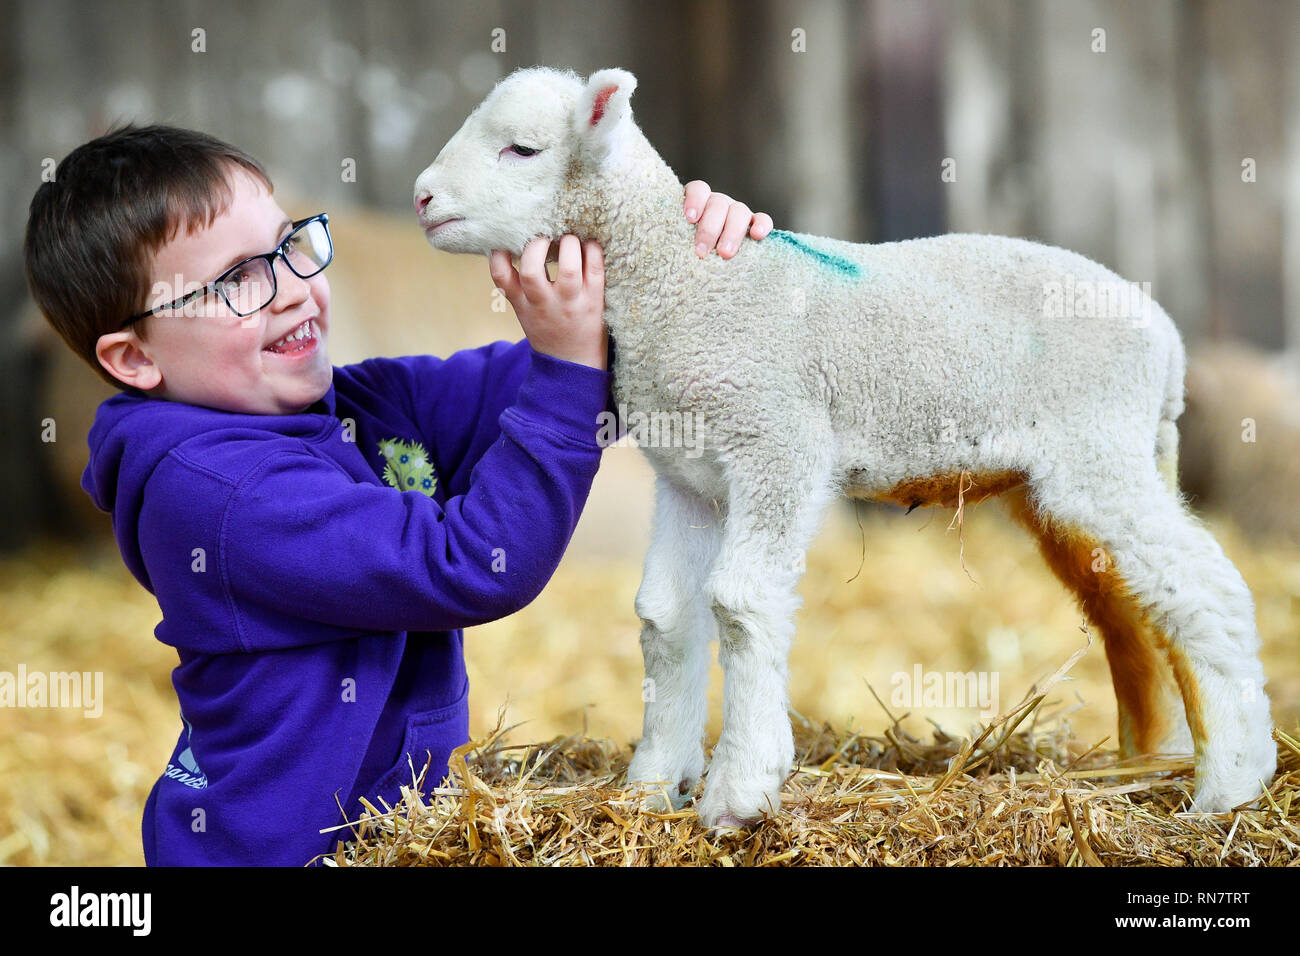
[{"x": 523, "y": 150}]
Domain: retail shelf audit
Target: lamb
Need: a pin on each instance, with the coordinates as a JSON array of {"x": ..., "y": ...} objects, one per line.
[{"x": 921, "y": 373}]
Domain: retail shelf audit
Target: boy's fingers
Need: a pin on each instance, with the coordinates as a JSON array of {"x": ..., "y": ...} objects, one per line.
[
  {"x": 568, "y": 273},
  {"x": 532, "y": 270},
  {"x": 697, "y": 194},
  {"x": 503, "y": 273},
  {"x": 711, "y": 222},
  {"x": 762, "y": 225},
  {"x": 739, "y": 217},
  {"x": 593, "y": 267}
]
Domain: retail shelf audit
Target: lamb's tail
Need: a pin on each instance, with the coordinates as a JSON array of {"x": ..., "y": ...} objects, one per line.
[{"x": 1172, "y": 407}]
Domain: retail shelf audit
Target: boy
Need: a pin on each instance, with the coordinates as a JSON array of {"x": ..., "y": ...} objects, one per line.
[{"x": 316, "y": 537}]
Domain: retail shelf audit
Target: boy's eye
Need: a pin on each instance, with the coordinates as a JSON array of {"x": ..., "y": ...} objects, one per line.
[{"x": 233, "y": 281}]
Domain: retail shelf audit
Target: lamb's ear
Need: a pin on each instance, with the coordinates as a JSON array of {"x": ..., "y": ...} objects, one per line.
[{"x": 601, "y": 108}]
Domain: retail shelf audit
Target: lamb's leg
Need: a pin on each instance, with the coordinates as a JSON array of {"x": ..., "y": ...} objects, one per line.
[
  {"x": 1200, "y": 615},
  {"x": 1151, "y": 712},
  {"x": 776, "y": 504},
  {"x": 677, "y": 626}
]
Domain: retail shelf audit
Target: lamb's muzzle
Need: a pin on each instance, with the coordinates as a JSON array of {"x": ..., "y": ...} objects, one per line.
[{"x": 909, "y": 372}]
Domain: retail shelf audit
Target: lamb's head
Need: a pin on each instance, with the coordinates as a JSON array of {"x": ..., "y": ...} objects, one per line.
[{"x": 502, "y": 179}]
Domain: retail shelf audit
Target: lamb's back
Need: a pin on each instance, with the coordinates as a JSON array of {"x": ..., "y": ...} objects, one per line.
[
  {"x": 912, "y": 344},
  {"x": 968, "y": 326}
]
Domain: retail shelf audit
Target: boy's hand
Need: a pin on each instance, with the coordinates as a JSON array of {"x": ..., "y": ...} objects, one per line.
[
  {"x": 564, "y": 318},
  {"x": 719, "y": 217}
]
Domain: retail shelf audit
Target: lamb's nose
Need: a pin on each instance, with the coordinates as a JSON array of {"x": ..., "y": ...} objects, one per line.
[{"x": 421, "y": 200}]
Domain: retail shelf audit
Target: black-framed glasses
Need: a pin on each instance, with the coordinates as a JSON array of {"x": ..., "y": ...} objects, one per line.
[{"x": 250, "y": 285}]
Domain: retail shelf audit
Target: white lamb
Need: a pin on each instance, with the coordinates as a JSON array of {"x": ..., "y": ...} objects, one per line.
[{"x": 904, "y": 372}]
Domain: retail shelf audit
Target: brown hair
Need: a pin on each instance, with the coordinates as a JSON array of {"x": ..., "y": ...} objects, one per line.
[{"x": 113, "y": 203}]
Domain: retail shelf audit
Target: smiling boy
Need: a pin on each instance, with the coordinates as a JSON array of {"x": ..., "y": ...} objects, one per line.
[{"x": 317, "y": 537}]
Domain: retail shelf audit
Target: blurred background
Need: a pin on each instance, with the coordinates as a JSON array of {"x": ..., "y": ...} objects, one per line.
[{"x": 1161, "y": 139}]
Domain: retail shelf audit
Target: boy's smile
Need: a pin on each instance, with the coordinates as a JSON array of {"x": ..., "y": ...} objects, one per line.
[{"x": 273, "y": 362}]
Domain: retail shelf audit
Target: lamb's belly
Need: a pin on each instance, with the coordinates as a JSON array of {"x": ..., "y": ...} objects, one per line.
[
  {"x": 926, "y": 466},
  {"x": 945, "y": 487}
]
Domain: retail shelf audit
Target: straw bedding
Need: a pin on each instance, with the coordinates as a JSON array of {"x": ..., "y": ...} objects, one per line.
[
  {"x": 876, "y": 784},
  {"x": 1027, "y": 796}
]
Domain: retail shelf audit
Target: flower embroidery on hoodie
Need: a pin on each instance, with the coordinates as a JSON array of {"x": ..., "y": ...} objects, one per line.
[{"x": 408, "y": 467}]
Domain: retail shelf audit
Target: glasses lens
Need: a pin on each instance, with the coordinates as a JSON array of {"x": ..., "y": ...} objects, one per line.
[
  {"x": 308, "y": 249},
  {"x": 248, "y": 287}
]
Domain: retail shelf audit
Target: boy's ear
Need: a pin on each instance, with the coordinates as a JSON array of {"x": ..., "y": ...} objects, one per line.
[
  {"x": 121, "y": 355},
  {"x": 600, "y": 111}
]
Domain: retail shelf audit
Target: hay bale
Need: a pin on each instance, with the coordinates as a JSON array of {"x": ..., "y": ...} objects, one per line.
[
  {"x": 1240, "y": 438},
  {"x": 1025, "y": 797}
]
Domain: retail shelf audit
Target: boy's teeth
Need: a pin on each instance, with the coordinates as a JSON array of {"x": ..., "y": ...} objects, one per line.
[{"x": 301, "y": 332}]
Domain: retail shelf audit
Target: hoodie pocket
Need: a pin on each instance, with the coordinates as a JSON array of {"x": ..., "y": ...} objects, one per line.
[{"x": 428, "y": 733}]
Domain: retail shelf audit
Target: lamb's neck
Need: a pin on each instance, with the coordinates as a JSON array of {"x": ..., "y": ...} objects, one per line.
[{"x": 629, "y": 207}]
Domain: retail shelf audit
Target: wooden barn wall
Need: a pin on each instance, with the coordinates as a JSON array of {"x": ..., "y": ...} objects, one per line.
[{"x": 1132, "y": 156}]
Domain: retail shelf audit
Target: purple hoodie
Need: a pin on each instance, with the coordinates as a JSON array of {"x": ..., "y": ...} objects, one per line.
[{"x": 316, "y": 609}]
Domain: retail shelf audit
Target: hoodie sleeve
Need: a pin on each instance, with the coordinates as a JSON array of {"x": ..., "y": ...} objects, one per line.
[
  {"x": 454, "y": 402},
  {"x": 303, "y": 538}
]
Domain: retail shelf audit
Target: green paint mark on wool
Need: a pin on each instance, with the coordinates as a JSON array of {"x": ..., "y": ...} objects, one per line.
[{"x": 838, "y": 263}]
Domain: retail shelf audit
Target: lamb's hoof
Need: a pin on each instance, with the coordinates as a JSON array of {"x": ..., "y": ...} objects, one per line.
[
  {"x": 656, "y": 796},
  {"x": 1225, "y": 800},
  {"x": 660, "y": 796},
  {"x": 1240, "y": 781},
  {"x": 729, "y": 821},
  {"x": 1211, "y": 803},
  {"x": 660, "y": 787},
  {"x": 736, "y": 806}
]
